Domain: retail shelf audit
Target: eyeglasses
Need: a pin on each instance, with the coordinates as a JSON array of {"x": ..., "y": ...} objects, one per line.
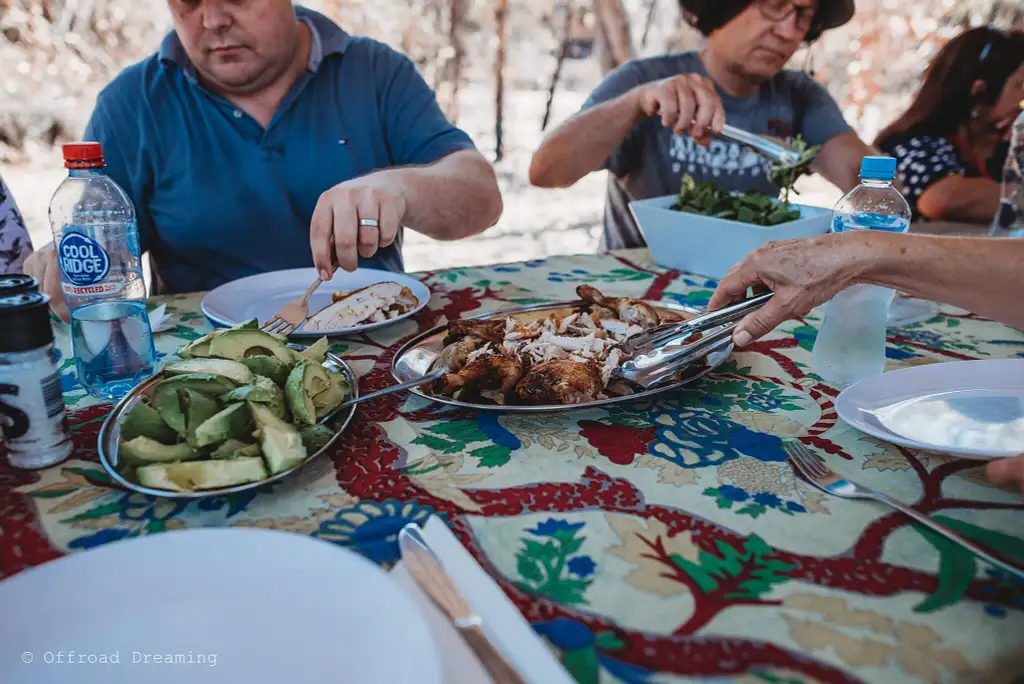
[{"x": 781, "y": 10}]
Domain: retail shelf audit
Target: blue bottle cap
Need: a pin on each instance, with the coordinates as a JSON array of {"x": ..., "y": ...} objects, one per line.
[{"x": 878, "y": 168}]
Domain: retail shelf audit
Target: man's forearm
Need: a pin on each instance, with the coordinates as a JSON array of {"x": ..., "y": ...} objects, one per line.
[
  {"x": 583, "y": 143},
  {"x": 983, "y": 275},
  {"x": 451, "y": 199}
]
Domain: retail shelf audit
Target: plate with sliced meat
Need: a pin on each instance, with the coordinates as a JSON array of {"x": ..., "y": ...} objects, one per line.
[
  {"x": 548, "y": 357},
  {"x": 349, "y": 303}
]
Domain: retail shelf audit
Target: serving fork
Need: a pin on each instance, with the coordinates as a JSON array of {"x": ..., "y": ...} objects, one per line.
[
  {"x": 825, "y": 479},
  {"x": 292, "y": 314}
]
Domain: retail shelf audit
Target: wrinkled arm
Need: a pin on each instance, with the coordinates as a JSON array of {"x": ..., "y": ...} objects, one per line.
[
  {"x": 453, "y": 198},
  {"x": 982, "y": 275}
]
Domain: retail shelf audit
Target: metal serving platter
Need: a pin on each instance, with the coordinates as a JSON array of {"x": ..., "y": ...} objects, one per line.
[
  {"x": 416, "y": 357},
  {"x": 110, "y": 435}
]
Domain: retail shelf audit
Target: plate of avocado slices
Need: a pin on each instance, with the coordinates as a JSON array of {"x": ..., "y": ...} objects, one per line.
[{"x": 240, "y": 409}]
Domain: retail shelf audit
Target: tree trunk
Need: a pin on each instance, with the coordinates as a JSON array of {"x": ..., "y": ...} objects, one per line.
[
  {"x": 613, "y": 30},
  {"x": 457, "y": 53},
  {"x": 563, "y": 53},
  {"x": 500, "y": 20}
]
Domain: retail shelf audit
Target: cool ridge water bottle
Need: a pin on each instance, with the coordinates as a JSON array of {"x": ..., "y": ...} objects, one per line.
[
  {"x": 97, "y": 244},
  {"x": 851, "y": 343}
]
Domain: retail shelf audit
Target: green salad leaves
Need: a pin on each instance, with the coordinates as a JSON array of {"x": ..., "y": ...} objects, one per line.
[{"x": 751, "y": 206}]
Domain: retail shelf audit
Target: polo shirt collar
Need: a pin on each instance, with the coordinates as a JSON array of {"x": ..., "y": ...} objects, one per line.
[{"x": 327, "y": 39}]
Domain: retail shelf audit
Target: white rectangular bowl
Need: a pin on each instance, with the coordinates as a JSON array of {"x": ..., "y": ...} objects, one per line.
[{"x": 710, "y": 246}]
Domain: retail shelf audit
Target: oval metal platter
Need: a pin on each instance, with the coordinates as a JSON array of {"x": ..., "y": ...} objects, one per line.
[
  {"x": 110, "y": 436},
  {"x": 416, "y": 357}
]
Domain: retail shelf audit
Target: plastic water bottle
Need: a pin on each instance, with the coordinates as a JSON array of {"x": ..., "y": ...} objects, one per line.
[
  {"x": 1009, "y": 222},
  {"x": 851, "y": 343},
  {"x": 97, "y": 244}
]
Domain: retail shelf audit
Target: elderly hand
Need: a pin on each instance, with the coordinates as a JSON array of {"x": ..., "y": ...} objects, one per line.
[
  {"x": 1007, "y": 471},
  {"x": 802, "y": 273},
  {"x": 355, "y": 219},
  {"x": 42, "y": 265},
  {"x": 687, "y": 104}
]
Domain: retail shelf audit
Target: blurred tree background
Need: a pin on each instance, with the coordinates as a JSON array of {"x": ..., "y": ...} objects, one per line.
[
  {"x": 503, "y": 70},
  {"x": 58, "y": 53}
]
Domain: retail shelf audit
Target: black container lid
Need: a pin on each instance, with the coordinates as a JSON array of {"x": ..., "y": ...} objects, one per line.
[
  {"x": 17, "y": 283},
  {"x": 24, "y": 322}
]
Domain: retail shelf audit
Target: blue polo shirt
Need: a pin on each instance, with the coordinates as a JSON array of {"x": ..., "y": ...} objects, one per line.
[{"x": 218, "y": 196}]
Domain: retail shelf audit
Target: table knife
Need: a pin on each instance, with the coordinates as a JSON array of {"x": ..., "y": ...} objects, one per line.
[{"x": 427, "y": 572}]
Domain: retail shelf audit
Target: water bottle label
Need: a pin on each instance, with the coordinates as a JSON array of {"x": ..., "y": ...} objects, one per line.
[{"x": 82, "y": 260}]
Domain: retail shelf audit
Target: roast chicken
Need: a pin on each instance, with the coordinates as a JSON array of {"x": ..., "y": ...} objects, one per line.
[
  {"x": 623, "y": 308},
  {"x": 561, "y": 382}
]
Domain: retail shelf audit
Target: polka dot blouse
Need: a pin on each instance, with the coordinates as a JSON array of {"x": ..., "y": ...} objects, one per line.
[{"x": 922, "y": 161}]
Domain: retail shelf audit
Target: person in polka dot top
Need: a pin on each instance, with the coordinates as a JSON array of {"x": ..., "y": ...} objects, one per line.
[{"x": 952, "y": 141}]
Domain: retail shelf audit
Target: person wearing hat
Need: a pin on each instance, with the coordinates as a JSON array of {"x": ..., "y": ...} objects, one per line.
[{"x": 652, "y": 120}]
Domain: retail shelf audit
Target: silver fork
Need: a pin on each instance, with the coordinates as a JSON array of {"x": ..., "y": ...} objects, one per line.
[
  {"x": 292, "y": 314},
  {"x": 822, "y": 477}
]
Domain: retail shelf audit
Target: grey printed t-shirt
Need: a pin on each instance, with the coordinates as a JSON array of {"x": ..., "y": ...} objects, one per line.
[{"x": 651, "y": 161}]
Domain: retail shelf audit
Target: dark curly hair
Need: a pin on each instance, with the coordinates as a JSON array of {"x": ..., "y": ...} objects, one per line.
[{"x": 707, "y": 16}]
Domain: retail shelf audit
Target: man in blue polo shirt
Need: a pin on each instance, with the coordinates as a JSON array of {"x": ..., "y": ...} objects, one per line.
[{"x": 261, "y": 137}]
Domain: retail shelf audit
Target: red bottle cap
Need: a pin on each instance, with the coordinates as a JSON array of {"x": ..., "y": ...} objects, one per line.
[{"x": 84, "y": 155}]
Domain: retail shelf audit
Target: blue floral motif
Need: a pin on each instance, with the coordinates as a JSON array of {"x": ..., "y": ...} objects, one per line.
[
  {"x": 764, "y": 402},
  {"x": 795, "y": 507},
  {"x": 767, "y": 499},
  {"x": 488, "y": 423},
  {"x": 733, "y": 493},
  {"x": 372, "y": 528},
  {"x": 566, "y": 634},
  {"x": 899, "y": 353},
  {"x": 551, "y": 527},
  {"x": 1003, "y": 580},
  {"x": 700, "y": 439},
  {"x": 926, "y": 338},
  {"x": 507, "y": 269},
  {"x": 100, "y": 538},
  {"x": 582, "y": 566}
]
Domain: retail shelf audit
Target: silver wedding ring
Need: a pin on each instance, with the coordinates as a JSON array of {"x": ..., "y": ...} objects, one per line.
[{"x": 369, "y": 223}]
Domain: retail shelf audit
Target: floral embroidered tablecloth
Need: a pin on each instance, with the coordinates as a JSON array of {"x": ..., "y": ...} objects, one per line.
[{"x": 650, "y": 541}]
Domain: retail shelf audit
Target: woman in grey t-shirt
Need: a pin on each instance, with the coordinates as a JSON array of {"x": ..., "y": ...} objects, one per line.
[{"x": 15, "y": 245}]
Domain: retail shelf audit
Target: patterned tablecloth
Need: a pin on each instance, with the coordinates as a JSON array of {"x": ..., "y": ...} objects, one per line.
[{"x": 650, "y": 541}]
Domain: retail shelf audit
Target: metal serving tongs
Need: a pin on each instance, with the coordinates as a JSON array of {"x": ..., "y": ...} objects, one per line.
[
  {"x": 777, "y": 152},
  {"x": 659, "y": 354}
]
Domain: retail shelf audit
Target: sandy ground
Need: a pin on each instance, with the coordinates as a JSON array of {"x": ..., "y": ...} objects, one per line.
[{"x": 536, "y": 222}]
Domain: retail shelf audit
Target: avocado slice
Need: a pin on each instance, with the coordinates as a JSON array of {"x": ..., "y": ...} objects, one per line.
[
  {"x": 234, "y": 422},
  {"x": 262, "y": 391},
  {"x": 183, "y": 409},
  {"x": 204, "y": 383},
  {"x": 146, "y": 450},
  {"x": 183, "y": 477},
  {"x": 333, "y": 396},
  {"x": 269, "y": 367},
  {"x": 239, "y": 344},
  {"x": 299, "y": 399},
  {"x": 232, "y": 370},
  {"x": 315, "y": 437},
  {"x": 249, "y": 324},
  {"x": 144, "y": 421},
  {"x": 199, "y": 347},
  {"x": 233, "y": 448},
  {"x": 281, "y": 443},
  {"x": 316, "y": 352}
]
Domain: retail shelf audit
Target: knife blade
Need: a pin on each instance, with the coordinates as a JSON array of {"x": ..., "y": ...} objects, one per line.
[{"x": 428, "y": 573}]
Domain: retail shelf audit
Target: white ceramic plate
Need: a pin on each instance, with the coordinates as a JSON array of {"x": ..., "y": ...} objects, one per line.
[
  {"x": 973, "y": 409},
  {"x": 243, "y": 605},
  {"x": 261, "y": 296}
]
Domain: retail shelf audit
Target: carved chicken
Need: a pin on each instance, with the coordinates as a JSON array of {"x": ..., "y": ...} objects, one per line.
[
  {"x": 629, "y": 310},
  {"x": 488, "y": 376},
  {"x": 490, "y": 330},
  {"x": 456, "y": 354},
  {"x": 560, "y": 381}
]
